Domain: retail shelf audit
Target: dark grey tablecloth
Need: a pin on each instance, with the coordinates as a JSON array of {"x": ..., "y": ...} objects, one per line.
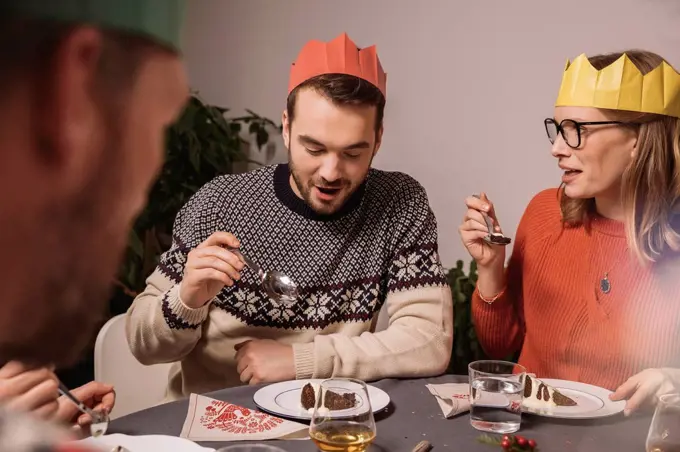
[{"x": 414, "y": 415}]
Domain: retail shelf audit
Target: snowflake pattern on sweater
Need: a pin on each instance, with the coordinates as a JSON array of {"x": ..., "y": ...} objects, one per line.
[{"x": 383, "y": 240}]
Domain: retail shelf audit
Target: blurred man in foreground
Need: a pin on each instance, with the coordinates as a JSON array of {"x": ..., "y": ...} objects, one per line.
[{"x": 89, "y": 87}]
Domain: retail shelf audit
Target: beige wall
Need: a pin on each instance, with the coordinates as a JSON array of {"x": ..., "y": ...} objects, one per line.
[{"x": 469, "y": 82}]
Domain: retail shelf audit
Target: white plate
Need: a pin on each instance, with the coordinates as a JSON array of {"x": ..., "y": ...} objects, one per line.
[
  {"x": 283, "y": 399},
  {"x": 143, "y": 443},
  {"x": 592, "y": 401}
]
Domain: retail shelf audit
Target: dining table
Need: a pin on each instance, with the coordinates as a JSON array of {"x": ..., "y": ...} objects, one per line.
[{"x": 413, "y": 415}]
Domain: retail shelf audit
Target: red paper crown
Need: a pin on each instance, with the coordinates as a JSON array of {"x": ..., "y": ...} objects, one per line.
[{"x": 339, "y": 56}]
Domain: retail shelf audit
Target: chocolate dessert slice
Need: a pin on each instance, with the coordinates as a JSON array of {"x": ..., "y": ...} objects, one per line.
[
  {"x": 528, "y": 386},
  {"x": 332, "y": 400},
  {"x": 539, "y": 396},
  {"x": 335, "y": 401},
  {"x": 308, "y": 397},
  {"x": 562, "y": 400}
]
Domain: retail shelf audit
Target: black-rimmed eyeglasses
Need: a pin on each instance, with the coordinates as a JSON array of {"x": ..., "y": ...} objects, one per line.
[{"x": 571, "y": 130}]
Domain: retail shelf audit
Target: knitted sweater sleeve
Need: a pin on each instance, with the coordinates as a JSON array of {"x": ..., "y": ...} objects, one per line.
[
  {"x": 419, "y": 338},
  {"x": 159, "y": 327},
  {"x": 500, "y": 325}
]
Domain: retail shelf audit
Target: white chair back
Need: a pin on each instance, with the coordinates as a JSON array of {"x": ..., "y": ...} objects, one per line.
[{"x": 137, "y": 386}]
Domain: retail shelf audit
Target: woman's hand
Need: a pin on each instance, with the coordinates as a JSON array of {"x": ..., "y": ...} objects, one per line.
[
  {"x": 473, "y": 229},
  {"x": 645, "y": 388}
]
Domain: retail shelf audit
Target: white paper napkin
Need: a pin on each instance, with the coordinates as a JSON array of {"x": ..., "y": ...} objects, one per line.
[
  {"x": 453, "y": 398},
  {"x": 213, "y": 420}
]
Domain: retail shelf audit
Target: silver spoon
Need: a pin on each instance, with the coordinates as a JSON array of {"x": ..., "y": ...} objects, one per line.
[
  {"x": 277, "y": 285},
  {"x": 100, "y": 419},
  {"x": 493, "y": 238}
]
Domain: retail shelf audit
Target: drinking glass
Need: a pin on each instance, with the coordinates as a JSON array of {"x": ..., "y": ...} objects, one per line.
[
  {"x": 496, "y": 393},
  {"x": 343, "y": 430},
  {"x": 664, "y": 432},
  {"x": 250, "y": 448}
]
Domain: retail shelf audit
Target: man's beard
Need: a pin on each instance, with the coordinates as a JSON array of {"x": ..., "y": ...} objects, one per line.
[
  {"x": 77, "y": 248},
  {"x": 305, "y": 190}
]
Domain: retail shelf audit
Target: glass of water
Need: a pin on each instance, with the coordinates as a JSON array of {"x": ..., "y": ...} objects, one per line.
[{"x": 496, "y": 393}]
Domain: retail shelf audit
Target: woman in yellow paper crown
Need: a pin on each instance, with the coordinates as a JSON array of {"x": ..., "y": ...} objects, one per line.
[{"x": 591, "y": 290}]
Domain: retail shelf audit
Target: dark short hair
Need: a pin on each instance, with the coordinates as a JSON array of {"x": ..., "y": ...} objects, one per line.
[{"x": 342, "y": 89}]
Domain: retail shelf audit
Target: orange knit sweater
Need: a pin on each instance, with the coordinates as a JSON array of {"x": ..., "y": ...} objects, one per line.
[{"x": 554, "y": 310}]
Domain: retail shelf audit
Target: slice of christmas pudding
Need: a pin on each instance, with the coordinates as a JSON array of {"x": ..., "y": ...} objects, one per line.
[
  {"x": 541, "y": 397},
  {"x": 332, "y": 400},
  {"x": 308, "y": 396}
]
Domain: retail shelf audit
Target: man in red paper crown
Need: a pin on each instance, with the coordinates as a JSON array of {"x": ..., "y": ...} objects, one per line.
[
  {"x": 353, "y": 239},
  {"x": 89, "y": 88}
]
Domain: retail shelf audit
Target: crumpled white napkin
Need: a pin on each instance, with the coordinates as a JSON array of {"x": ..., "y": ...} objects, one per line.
[{"x": 453, "y": 398}]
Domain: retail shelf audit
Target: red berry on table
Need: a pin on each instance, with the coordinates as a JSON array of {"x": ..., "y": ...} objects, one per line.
[
  {"x": 505, "y": 444},
  {"x": 507, "y": 438},
  {"x": 532, "y": 444},
  {"x": 521, "y": 441}
]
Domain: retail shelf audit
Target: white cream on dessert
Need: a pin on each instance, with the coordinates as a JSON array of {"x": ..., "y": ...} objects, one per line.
[
  {"x": 323, "y": 411},
  {"x": 542, "y": 396}
]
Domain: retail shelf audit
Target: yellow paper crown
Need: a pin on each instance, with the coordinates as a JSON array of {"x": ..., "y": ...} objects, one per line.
[{"x": 620, "y": 86}]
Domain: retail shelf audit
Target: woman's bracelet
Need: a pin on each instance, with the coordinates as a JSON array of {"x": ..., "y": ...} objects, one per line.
[{"x": 490, "y": 300}]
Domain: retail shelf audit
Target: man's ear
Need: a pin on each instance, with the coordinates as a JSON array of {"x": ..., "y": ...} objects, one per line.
[
  {"x": 286, "y": 129},
  {"x": 69, "y": 119},
  {"x": 378, "y": 140}
]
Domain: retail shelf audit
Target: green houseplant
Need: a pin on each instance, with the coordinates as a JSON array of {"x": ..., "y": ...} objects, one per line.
[
  {"x": 466, "y": 347},
  {"x": 201, "y": 145}
]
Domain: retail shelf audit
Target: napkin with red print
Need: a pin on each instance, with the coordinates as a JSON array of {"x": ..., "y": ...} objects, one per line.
[
  {"x": 453, "y": 398},
  {"x": 213, "y": 420}
]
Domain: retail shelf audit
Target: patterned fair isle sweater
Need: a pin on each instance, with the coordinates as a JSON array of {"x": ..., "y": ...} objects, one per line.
[{"x": 379, "y": 249}]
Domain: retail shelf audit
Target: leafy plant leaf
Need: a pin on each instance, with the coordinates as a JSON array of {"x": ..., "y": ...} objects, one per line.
[
  {"x": 262, "y": 138},
  {"x": 136, "y": 244},
  {"x": 195, "y": 158}
]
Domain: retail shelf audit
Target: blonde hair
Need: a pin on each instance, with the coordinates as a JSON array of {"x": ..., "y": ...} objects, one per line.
[{"x": 650, "y": 186}]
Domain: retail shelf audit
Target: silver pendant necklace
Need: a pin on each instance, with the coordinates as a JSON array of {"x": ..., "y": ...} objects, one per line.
[{"x": 605, "y": 284}]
